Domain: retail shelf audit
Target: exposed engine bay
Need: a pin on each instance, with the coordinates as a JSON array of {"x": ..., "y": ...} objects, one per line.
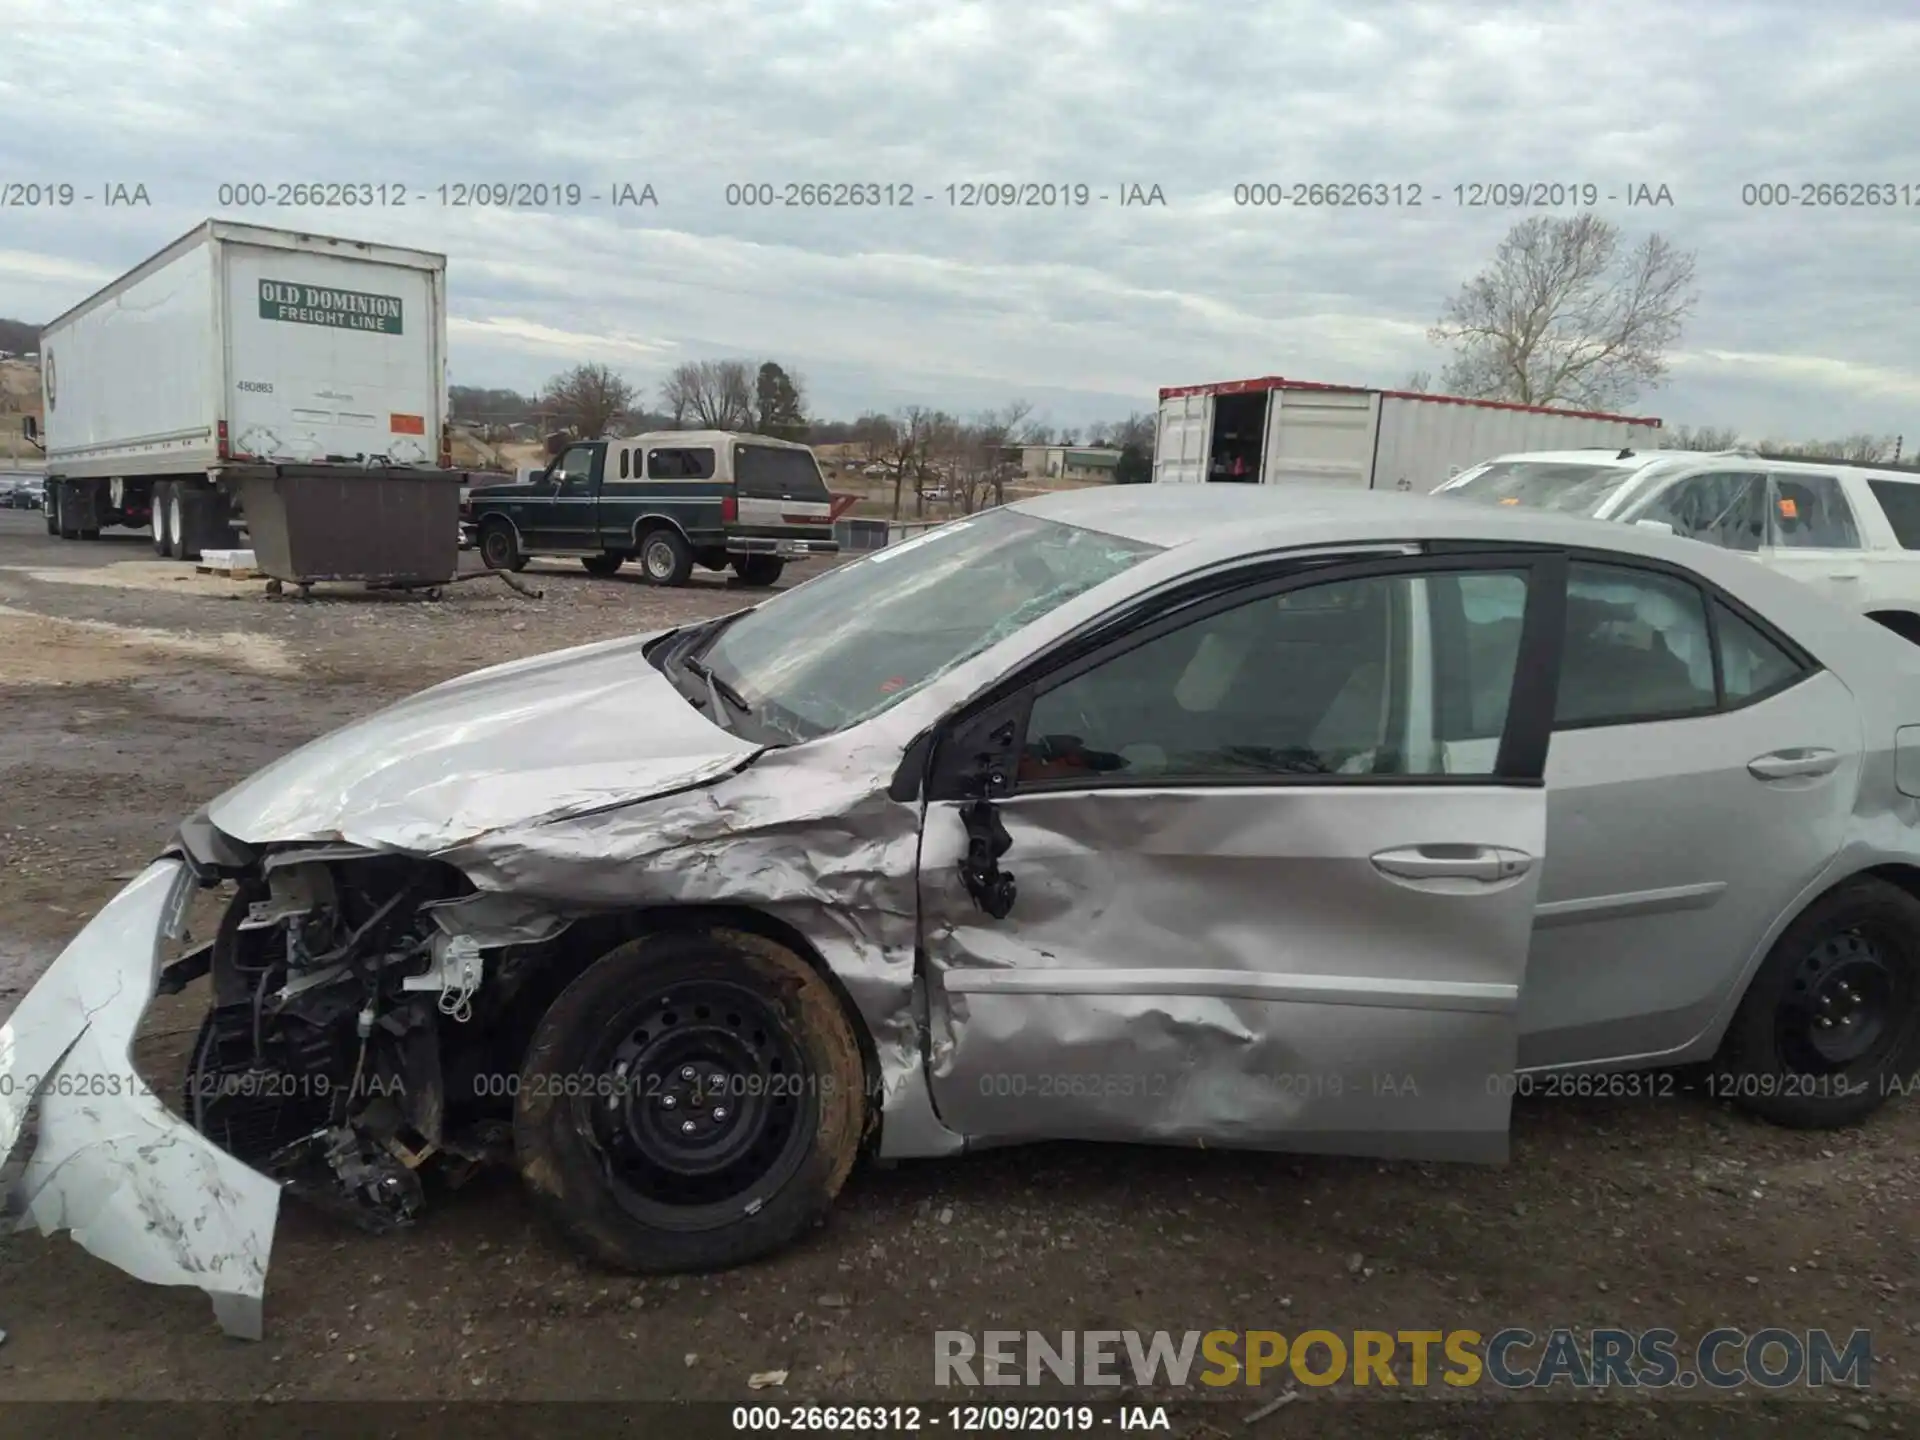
[{"x": 366, "y": 1013}]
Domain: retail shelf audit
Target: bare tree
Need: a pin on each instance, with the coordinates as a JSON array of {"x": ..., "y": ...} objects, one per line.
[
  {"x": 587, "y": 398},
  {"x": 1564, "y": 314},
  {"x": 712, "y": 394},
  {"x": 1848, "y": 450},
  {"x": 907, "y": 448},
  {"x": 1706, "y": 437},
  {"x": 1420, "y": 382},
  {"x": 1140, "y": 430}
]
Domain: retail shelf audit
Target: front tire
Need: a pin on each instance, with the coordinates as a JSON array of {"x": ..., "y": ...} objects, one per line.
[
  {"x": 1830, "y": 1025},
  {"x": 665, "y": 557},
  {"x": 500, "y": 547},
  {"x": 724, "y": 1103}
]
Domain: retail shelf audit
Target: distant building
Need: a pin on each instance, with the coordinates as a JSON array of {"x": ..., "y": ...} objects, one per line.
[{"x": 1068, "y": 462}]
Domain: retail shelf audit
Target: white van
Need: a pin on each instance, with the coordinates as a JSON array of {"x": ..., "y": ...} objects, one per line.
[{"x": 1850, "y": 531}]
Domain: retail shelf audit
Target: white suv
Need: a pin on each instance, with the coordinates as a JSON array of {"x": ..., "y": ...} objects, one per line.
[{"x": 1851, "y": 531}]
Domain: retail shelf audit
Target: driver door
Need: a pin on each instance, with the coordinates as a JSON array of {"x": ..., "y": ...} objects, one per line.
[{"x": 1273, "y": 862}]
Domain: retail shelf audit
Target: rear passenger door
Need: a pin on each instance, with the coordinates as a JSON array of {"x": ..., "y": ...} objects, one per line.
[{"x": 1701, "y": 775}]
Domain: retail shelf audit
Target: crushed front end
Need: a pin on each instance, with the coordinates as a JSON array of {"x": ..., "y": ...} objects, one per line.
[{"x": 363, "y": 1008}]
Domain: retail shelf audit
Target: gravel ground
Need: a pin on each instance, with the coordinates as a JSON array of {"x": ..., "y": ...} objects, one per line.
[{"x": 133, "y": 690}]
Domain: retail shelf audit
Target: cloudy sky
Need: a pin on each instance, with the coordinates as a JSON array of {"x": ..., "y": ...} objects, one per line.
[{"x": 1808, "y": 322}]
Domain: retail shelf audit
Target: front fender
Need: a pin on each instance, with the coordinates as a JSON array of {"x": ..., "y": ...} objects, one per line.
[{"x": 134, "y": 1183}]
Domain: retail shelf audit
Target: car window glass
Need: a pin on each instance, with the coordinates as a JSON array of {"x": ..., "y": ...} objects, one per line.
[
  {"x": 1727, "y": 508},
  {"x": 626, "y": 464},
  {"x": 1636, "y": 649},
  {"x": 1810, "y": 513},
  {"x": 689, "y": 464},
  {"x": 574, "y": 474},
  {"x": 1751, "y": 665},
  {"x": 768, "y": 472},
  {"x": 1900, "y": 500},
  {"x": 1342, "y": 678}
]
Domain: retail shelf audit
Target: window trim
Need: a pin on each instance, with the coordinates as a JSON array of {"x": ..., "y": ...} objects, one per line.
[
  {"x": 978, "y": 748},
  {"x": 1809, "y": 665}
]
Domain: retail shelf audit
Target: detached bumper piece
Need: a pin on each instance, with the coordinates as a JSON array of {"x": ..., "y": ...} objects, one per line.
[{"x": 134, "y": 1183}]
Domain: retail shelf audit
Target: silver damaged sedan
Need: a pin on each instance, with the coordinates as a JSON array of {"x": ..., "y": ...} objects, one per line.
[{"x": 1285, "y": 818}]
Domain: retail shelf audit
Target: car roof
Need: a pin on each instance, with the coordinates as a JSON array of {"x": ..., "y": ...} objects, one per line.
[
  {"x": 1236, "y": 519},
  {"x": 1208, "y": 525},
  {"x": 1606, "y": 457}
]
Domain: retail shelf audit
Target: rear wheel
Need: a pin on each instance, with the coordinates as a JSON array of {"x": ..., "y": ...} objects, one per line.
[
  {"x": 665, "y": 557},
  {"x": 759, "y": 569},
  {"x": 692, "y": 1101},
  {"x": 602, "y": 565},
  {"x": 1830, "y": 1025},
  {"x": 177, "y": 524},
  {"x": 500, "y": 547},
  {"x": 162, "y": 506}
]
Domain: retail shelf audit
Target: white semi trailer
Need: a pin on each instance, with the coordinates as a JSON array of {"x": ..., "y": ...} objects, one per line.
[
  {"x": 239, "y": 350},
  {"x": 1275, "y": 431}
]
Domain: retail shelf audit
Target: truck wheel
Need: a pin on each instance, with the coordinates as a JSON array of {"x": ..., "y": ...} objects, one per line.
[
  {"x": 721, "y": 1110},
  {"x": 665, "y": 557},
  {"x": 63, "y": 512},
  {"x": 162, "y": 505},
  {"x": 499, "y": 548},
  {"x": 608, "y": 564},
  {"x": 177, "y": 516},
  {"x": 1830, "y": 1024},
  {"x": 759, "y": 569}
]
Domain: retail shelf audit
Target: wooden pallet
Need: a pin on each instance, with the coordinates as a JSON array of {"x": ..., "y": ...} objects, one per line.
[{"x": 233, "y": 564}]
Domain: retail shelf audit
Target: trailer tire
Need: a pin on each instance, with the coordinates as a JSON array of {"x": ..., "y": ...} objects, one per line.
[
  {"x": 602, "y": 565},
  {"x": 177, "y": 523},
  {"x": 162, "y": 536},
  {"x": 63, "y": 512}
]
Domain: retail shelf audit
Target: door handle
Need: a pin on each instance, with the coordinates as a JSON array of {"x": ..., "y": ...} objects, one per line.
[
  {"x": 1486, "y": 863},
  {"x": 1791, "y": 764},
  {"x": 1844, "y": 575}
]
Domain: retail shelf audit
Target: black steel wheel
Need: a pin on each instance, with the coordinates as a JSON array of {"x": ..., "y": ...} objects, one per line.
[
  {"x": 1830, "y": 1026},
  {"x": 500, "y": 547},
  {"x": 692, "y": 1101}
]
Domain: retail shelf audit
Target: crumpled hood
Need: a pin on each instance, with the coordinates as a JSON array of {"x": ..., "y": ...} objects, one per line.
[{"x": 577, "y": 730}]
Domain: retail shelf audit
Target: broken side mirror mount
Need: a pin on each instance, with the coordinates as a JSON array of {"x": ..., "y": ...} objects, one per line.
[
  {"x": 992, "y": 888},
  {"x": 988, "y": 776}
]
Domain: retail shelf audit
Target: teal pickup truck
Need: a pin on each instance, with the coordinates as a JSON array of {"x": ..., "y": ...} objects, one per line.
[{"x": 671, "y": 499}]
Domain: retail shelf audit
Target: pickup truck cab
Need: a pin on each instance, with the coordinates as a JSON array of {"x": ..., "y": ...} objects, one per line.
[{"x": 670, "y": 499}]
